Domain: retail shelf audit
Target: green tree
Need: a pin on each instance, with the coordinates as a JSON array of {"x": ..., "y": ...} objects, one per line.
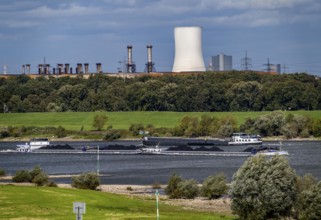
[
  {"x": 317, "y": 128},
  {"x": 172, "y": 188},
  {"x": 188, "y": 189},
  {"x": 86, "y": 181},
  {"x": 310, "y": 203},
  {"x": 214, "y": 186},
  {"x": 264, "y": 188},
  {"x": 99, "y": 121}
]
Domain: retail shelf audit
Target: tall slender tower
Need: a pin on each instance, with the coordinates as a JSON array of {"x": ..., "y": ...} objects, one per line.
[
  {"x": 246, "y": 62},
  {"x": 188, "y": 49}
]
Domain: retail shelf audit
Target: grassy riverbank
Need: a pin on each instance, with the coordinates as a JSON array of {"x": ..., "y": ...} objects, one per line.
[
  {"x": 29, "y": 202},
  {"x": 121, "y": 120}
]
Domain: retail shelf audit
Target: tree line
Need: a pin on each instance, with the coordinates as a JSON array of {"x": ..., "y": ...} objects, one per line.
[{"x": 207, "y": 92}]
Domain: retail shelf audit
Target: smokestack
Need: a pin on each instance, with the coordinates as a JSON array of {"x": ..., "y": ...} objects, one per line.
[
  {"x": 60, "y": 67},
  {"x": 28, "y": 68},
  {"x": 67, "y": 68},
  {"x": 47, "y": 70},
  {"x": 79, "y": 68},
  {"x": 188, "y": 49},
  {"x": 98, "y": 66},
  {"x": 131, "y": 67},
  {"x": 149, "y": 65},
  {"x": 23, "y": 69},
  {"x": 40, "y": 69},
  {"x": 86, "y": 68},
  {"x": 129, "y": 54}
]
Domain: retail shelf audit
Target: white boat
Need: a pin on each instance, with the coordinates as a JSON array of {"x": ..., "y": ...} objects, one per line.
[
  {"x": 34, "y": 143},
  {"x": 151, "y": 150},
  {"x": 245, "y": 139},
  {"x": 269, "y": 151}
]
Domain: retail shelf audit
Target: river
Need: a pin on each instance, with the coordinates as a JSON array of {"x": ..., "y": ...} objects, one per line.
[{"x": 305, "y": 157}]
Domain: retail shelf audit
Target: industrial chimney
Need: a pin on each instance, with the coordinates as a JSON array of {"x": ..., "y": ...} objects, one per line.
[
  {"x": 188, "y": 49},
  {"x": 66, "y": 68},
  {"x": 98, "y": 66},
  {"x": 23, "y": 69},
  {"x": 149, "y": 65},
  {"x": 79, "y": 68},
  {"x": 131, "y": 67},
  {"x": 86, "y": 68},
  {"x": 28, "y": 68}
]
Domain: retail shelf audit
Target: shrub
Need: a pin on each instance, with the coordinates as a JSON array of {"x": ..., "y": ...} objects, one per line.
[
  {"x": 136, "y": 128},
  {"x": 22, "y": 176},
  {"x": 2, "y": 172},
  {"x": 112, "y": 134},
  {"x": 41, "y": 179},
  {"x": 310, "y": 203},
  {"x": 86, "y": 181},
  {"x": 156, "y": 185},
  {"x": 177, "y": 188},
  {"x": 60, "y": 132},
  {"x": 99, "y": 122},
  {"x": 172, "y": 189},
  {"x": 214, "y": 186},
  {"x": 129, "y": 188},
  {"x": 35, "y": 172},
  {"x": 188, "y": 189},
  {"x": 264, "y": 188},
  {"x": 52, "y": 184}
]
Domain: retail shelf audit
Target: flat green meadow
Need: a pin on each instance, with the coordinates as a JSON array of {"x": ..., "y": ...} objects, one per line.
[
  {"x": 121, "y": 120},
  {"x": 30, "y": 202}
]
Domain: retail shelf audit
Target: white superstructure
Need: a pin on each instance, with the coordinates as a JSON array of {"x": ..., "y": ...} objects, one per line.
[
  {"x": 35, "y": 143},
  {"x": 188, "y": 49}
]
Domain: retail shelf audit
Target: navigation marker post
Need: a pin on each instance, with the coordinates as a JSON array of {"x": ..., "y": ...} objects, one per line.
[
  {"x": 157, "y": 210},
  {"x": 79, "y": 208},
  {"x": 98, "y": 160}
]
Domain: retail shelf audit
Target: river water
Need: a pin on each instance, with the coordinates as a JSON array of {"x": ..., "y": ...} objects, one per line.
[{"x": 305, "y": 157}]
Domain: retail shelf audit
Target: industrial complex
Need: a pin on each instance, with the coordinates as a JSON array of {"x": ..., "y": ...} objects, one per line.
[{"x": 188, "y": 59}]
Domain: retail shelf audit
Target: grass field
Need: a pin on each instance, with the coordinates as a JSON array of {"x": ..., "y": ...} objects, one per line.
[
  {"x": 29, "y": 202},
  {"x": 120, "y": 120}
]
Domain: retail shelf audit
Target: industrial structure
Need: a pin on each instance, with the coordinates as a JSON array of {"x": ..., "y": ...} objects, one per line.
[
  {"x": 130, "y": 66},
  {"x": 149, "y": 66},
  {"x": 246, "y": 62},
  {"x": 188, "y": 49},
  {"x": 222, "y": 62},
  {"x": 272, "y": 68}
]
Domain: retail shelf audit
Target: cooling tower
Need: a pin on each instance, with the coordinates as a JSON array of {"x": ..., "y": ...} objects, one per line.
[{"x": 188, "y": 49}]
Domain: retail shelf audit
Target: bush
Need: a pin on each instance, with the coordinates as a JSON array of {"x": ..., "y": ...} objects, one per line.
[
  {"x": 172, "y": 189},
  {"x": 22, "y": 176},
  {"x": 264, "y": 188},
  {"x": 35, "y": 172},
  {"x": 214, "y": 186},
  {"x": 112, "y": 134},
  {"x": 177, "y": 188},
  {"x": 310, "y": 203},
  {"x": 36, "y": 176},
  {"x": 99, "y": 121},
  {"x": 60, "y": 132},
  {"x": 156, "y": 185},
  {"x": 136, "y": 128},
  {"x": 41, "y": 179},
  {"x": 2, "y": 172},
  {"x": 188, "y": 189},
  {"x": 129, "y": 188},
  {"x": 86, "y": 181},
  {"x": 52, "y": 184}
]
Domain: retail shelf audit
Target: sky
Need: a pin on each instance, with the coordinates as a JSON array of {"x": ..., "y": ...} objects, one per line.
[{"x": 287, "y": 32}]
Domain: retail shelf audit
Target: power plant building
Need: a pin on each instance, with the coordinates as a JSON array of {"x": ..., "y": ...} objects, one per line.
[
  {"x": 222, "y": 62},
  {"x": 188, "y": 50}
]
